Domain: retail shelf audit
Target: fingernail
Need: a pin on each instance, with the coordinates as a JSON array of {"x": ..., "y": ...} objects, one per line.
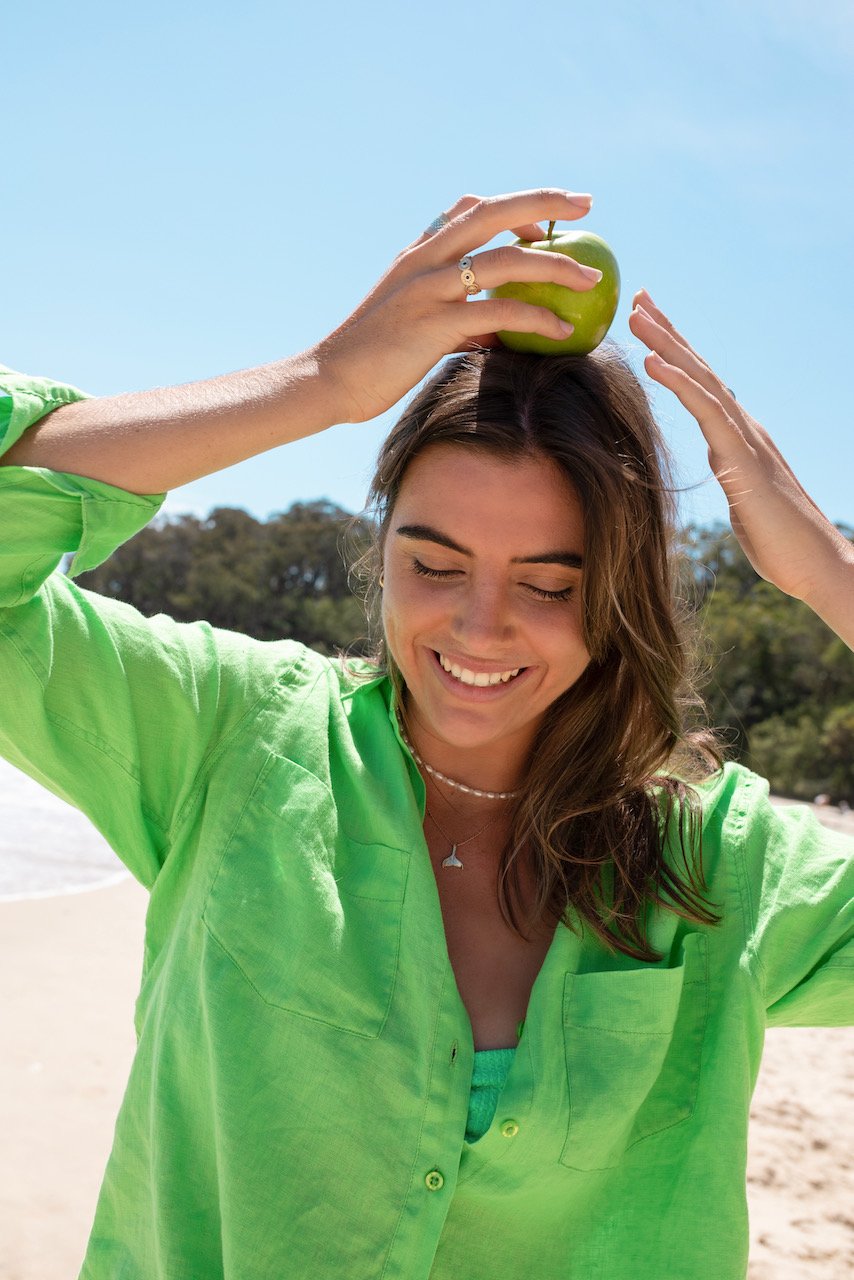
[
  {"x": 581, "y": 200},
  {"x": 567, "y": 327},
  {"x": 592, "y": 273}
]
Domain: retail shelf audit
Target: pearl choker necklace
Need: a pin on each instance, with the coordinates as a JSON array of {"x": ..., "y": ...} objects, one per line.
[{"x": 458, "y": 786}]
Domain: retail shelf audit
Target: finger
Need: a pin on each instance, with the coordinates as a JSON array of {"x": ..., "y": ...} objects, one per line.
[
  {"x": 669, "y": 344},
  {"x": 496, "y": 315},
  {"x": 464, "y": 203},
  {"x": 532, "y": 232},
  {"x": 721, "y": 431},
  {"x": 481, "y": 340},
  {"x": 476, "y": 224},
  {"x": 647, "y": 304},
  {"x": 509, "y": 262},
  {"x": 733, "y": 429}
]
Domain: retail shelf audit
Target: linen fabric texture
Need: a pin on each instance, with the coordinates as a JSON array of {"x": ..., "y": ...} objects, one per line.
[{"x": 298, "y": 1101}]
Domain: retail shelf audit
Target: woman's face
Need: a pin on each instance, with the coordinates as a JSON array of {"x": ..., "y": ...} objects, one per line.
[{"x": 483, "y": 572}]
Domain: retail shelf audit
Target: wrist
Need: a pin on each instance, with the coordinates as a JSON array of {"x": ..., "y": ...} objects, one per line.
[{"x": 307, "y": 393}]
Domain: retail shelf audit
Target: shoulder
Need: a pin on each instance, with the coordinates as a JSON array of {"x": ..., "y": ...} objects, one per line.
[
  {"x": 725, "y": 798},
  {"x": 723, "y": 811},
  {"x": 315, "y": 691},
  {"x": 731, "y": 798},
  {"x": 765, "y": 841},
  {"x": 328, "y": 679},
  {"x": 326, "y": 716}
]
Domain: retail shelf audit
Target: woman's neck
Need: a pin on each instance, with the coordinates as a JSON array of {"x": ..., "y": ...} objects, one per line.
[{"x": 494, "y": 767}]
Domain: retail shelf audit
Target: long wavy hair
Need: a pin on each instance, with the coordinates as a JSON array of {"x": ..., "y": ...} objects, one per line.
[{"x": 611, "y": 772}]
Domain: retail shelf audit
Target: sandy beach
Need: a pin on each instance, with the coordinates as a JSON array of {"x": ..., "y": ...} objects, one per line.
[{"x": 69, "y": 973}]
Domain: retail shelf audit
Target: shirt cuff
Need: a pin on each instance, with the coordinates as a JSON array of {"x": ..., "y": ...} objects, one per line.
[
  {"x": 47, "y": 514},
  {"x": 25, "y": 399}
]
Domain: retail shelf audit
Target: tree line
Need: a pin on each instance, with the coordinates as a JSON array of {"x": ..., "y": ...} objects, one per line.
[{"x": 776, "y": 679}]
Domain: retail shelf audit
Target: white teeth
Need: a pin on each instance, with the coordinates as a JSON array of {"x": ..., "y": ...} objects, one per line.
[{"x": 480, "y": 678}]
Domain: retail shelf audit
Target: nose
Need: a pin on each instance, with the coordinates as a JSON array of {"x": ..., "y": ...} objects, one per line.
[{"x": 482, "y": 621}]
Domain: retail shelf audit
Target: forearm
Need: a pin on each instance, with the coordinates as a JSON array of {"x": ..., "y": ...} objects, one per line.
[
  {"x": 151, "y": 441},
  {"x": 833, "y": 595}
]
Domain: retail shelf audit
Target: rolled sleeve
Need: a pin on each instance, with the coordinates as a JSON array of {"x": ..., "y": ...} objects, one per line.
[
  {"x": 113, "y": 711},
  {"x": 46, "y": 514},
  {"x": 25, "y": 399}
]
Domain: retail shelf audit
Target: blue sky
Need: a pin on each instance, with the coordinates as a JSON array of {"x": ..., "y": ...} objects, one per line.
[{"x": 189, "y": 190}]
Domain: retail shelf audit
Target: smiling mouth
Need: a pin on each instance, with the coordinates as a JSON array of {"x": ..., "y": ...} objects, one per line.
[{"x": 477, "y": 679}]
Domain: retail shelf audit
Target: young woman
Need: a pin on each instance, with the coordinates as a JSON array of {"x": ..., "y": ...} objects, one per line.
[{"x": 458, "y": 963}]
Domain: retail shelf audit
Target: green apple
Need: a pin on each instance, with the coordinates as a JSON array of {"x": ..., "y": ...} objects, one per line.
[{"x": 591, "y": 311}]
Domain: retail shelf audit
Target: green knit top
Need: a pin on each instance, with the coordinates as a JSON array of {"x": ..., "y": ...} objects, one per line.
[{"x": 490, "y": 1072}]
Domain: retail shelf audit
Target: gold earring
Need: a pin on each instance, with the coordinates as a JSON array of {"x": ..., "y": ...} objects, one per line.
[{"x": 382, "y": 581}]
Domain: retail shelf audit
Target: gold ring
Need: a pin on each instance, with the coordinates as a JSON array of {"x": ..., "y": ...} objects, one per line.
[{"x": 467, "y": 275}]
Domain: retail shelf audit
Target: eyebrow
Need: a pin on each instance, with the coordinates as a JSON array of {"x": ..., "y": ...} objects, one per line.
[{"x": 425, "y": 533}]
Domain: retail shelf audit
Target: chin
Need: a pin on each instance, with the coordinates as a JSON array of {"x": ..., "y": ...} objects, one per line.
[{"x": 469, "y": 730}]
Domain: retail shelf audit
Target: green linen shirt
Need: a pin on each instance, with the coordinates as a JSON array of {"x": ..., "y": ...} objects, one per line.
[{"x": 298, "y": 1098}]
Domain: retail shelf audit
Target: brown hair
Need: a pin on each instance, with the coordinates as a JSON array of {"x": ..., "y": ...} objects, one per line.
[{"x": 612, "y": 767}]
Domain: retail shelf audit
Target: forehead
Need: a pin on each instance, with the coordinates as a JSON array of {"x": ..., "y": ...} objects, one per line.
[{"x": 477, "y": 496}]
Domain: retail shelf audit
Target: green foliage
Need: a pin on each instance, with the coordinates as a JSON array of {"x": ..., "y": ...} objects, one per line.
[
  {"x": 283, "y": 577},
  {"x": 779, "y": 683}
]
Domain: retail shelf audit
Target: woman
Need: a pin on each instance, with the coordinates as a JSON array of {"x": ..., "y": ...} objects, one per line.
[{"x": 426, "y": 991}]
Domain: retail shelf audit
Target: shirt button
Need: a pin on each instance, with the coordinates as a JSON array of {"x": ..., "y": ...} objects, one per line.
[
  {"x": 509, "y": 1129},
  {"x": 434, "y": 1180}
]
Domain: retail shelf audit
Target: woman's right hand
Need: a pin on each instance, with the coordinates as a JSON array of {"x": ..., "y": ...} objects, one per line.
[{"x": 419, "y": 312}]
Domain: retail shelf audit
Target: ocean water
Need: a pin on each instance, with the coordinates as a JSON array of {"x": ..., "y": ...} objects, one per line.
[{"x": 47, "y": 847}]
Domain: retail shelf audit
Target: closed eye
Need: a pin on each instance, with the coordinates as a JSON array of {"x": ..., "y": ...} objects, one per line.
[
  {"x": 432, "y": 573},
  {"x": 539, "y": 592},
  {"x": 565, "y": 594}
]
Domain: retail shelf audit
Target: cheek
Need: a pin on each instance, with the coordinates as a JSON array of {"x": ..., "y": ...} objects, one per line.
[
  {"x": 409, "y": 606},
  {"x": 389, "y": 626},
  {"x": 400, "y": 621},
  {"x": 565, "y": 643}
]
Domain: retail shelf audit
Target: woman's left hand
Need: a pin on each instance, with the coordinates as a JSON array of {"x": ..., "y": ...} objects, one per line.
[{"x": 786, "y": 538}]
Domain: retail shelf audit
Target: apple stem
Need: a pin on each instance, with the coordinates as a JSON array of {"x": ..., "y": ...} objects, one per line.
[{"x": 551, "y": 229}]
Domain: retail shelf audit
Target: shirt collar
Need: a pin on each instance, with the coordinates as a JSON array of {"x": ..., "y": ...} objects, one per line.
[
  {"x": 388, "y": 693},
  {"x": 381, "y": 682}
]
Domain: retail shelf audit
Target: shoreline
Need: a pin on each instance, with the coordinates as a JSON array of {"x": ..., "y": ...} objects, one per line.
[{"x": 36, "y": 895}]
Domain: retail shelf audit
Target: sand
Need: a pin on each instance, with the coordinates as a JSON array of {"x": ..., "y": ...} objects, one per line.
[
  {"x": 69, "y": 975},
  {"x": 800, "y": 1175}
]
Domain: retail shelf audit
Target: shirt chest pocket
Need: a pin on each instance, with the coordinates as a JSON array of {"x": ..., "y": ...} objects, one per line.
[
  {"x": 310, "y": 917},
  {"x": 634, "y": 1041}
]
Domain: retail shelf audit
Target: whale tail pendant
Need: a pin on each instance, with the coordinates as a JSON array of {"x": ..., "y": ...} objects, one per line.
[{"x": 452, "y": 860}]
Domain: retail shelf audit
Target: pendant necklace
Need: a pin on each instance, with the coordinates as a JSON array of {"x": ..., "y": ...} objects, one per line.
[{"x": 452, "y": 860}]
